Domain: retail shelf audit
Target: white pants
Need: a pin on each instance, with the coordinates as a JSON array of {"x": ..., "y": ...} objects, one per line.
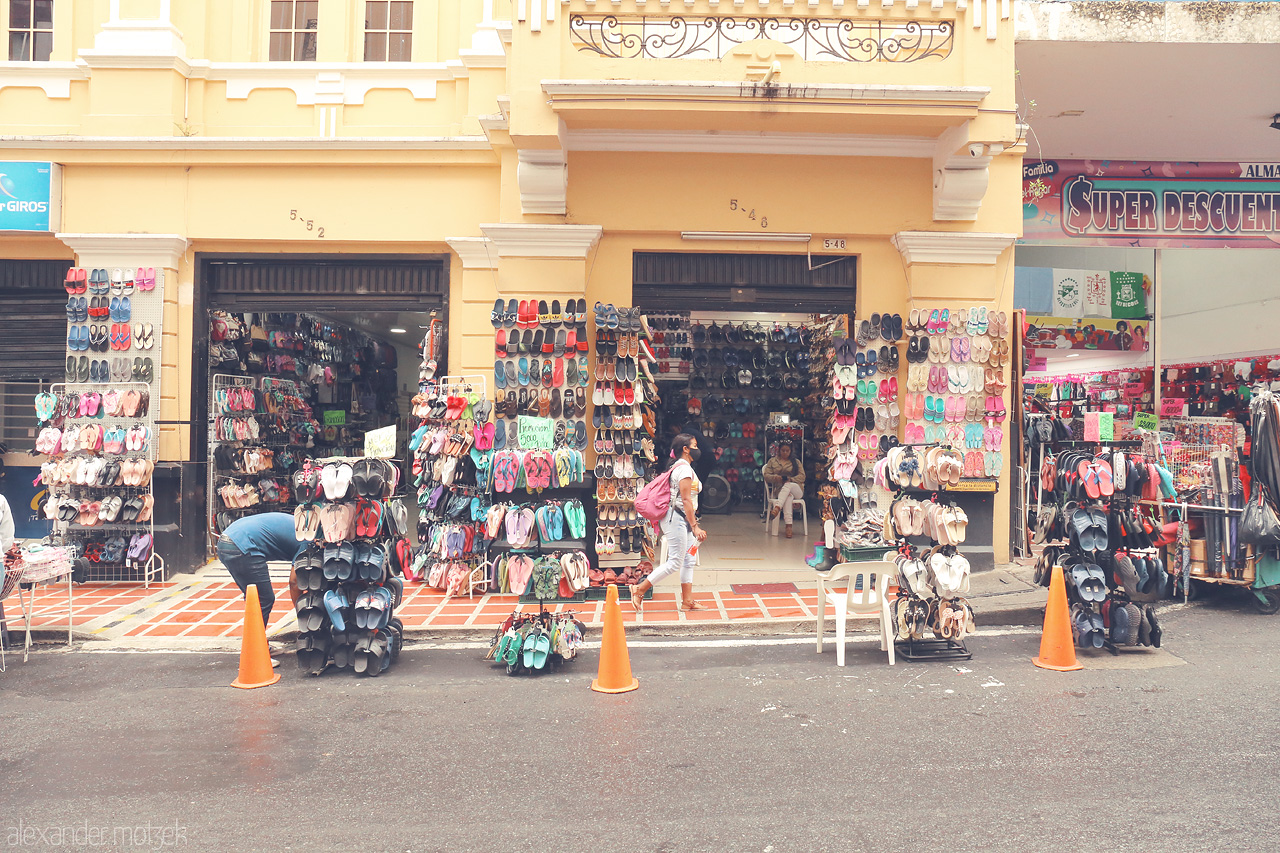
[
  {"x": 789, "y": 493},
  {"x": 679, "y": 540}
]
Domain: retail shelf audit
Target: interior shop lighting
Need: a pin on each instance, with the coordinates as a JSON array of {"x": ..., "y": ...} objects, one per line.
[
  {"x": 766, "y": 237},
  {"x": 396, "y": 331}
]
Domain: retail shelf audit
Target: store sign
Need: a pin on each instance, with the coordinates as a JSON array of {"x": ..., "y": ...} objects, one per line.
[
  {"x": 1145, "y": 420},
  {"x": 335, "y": 417},
  {"x": 1171, "y": 407},
  {"x": 30, "y": 196},
  {"x": 1152, "y": 203},
  {"x": 536, "y": 433},
  {"x": 380, "y": 443}
]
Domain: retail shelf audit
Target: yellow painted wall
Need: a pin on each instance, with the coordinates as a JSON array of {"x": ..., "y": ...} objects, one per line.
[{"x": 408, "y": 198}]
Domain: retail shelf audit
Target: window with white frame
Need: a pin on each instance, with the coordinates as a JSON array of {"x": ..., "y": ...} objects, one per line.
[
  {"x": 293, "y": 30},
  {"x": 388, "y": 30},
  {"x": 30, "y": 30}
]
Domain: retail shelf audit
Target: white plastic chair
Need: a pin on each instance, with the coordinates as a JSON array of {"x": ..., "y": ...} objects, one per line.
[
  {"x": 851, "y": 603},
  {"x": 771, "y": 524}
]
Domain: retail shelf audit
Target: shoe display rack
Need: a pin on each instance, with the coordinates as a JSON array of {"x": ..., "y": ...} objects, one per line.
[
  {"x": 334, "y": 366},
  {"x": 742, "y": 371},
  {"x": 101, "y": 441},
  {"x": 955, "y": 382},
  {"x": 1094, "y": 519},
  {"x": 115, "y": 320},
  {"x": 259, "y": 429},
  {"x": 453, "y": 474},
  {"x": 540, "y": 369},
  {"x": 528, "y": 644},
  {"x": 672, "y": 345},
  {"x": 866, "y": 386},
  {"x": 350, "y": 575},
  {"x": 933, "y": 576},
  {"x": 624, "y": 415}
]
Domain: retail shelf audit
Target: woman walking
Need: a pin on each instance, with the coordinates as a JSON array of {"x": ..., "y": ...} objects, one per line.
[
  {"x": 786, "y": 476},
  {"x": 680, "y": 526}
]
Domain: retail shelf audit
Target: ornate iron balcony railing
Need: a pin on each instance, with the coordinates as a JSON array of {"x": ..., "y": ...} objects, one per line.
[{"x": 711, "y": 37}]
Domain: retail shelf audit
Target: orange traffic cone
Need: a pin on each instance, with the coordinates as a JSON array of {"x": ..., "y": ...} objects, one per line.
[
  {"x": 614, "y": 675},
  {"x": 1057, "y": 650},
  {"x": 255, "y": 659}
]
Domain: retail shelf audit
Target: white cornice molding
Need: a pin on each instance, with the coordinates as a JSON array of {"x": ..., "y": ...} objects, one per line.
[
  {"x": 476, "y": 253},
  {"x": 127, "y": 250},
  {"x": 664, "y": 90},
  {"x": 542, "y": 241},
  {"x": 951, "y": 247},
  {"x": 250, "y": 143},
  {"x": 750, "y": 142},
  {"x": 54, "y": 78}
]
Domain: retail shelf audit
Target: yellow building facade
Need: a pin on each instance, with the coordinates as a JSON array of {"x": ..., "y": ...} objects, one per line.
[{"x": 531, "y": 147}]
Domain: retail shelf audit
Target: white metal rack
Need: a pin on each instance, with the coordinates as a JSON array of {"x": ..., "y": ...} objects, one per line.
[{"x": 69, "y": 532}]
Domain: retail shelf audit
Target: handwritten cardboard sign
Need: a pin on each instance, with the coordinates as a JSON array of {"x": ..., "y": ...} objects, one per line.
[
  {"x": 1145, "y": 420},
  {"x": 1171, "y": 407},
  {"x": 380, "y": 443},
  {"x": 536, "y": 433}
]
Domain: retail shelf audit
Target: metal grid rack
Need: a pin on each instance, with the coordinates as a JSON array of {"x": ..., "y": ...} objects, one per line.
[
  {"x": 213, "y": 506},
  {"x": 72, "y": 533}
]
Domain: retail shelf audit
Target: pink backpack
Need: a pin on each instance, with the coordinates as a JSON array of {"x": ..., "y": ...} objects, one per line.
[{"x": 654, "y": 500}]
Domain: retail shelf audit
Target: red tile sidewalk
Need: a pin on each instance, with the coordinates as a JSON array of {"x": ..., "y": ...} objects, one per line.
[{"x": 212, "y": 607}]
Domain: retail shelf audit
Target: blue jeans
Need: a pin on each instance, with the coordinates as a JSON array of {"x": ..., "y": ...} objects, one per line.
[
  {"x": 679, "y": 540},
  {"x": 248, "y": 569}
]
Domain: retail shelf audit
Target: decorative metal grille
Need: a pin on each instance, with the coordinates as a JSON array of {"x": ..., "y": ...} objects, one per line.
[{"x": 814, "y": 39}]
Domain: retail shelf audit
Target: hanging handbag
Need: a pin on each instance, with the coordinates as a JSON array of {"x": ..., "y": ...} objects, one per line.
[{"x": 1259, "y": 524}]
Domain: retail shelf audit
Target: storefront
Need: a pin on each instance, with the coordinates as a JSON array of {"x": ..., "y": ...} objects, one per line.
[
  {"x": 1166, "y": 379},
  {"x": 757, "y": 204}
]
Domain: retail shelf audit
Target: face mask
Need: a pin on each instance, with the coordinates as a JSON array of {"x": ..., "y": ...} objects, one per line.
[{"x": 695, "y": 454}]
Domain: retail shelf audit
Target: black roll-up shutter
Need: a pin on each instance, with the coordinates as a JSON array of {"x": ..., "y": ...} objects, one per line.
[
  {"x": 319, "y": 282},
  {"x": 33, "y": 320},
  {"x": 693, "y": 281}
]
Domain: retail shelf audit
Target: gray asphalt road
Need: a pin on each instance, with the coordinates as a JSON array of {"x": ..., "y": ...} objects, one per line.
[{"x": 757, "y": 748}]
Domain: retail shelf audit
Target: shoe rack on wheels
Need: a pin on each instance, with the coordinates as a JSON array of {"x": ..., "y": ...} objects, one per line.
[
  {"x": 259, "y": 429},
  {"x": 84, "y": 539}
]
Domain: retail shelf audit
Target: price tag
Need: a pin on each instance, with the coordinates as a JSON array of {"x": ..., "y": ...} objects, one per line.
[
  {"x": 1171, "y": 407},
  {"x": 335, "y": 417},
  {"x": 1145, "y": 420},
  {"x": 1043, "y": 390},
  {"x": 1106, "y": 426},
  {"x": 973, "y": 486},
  {"x": 380, "y": 443},
  {"x": 536, "y": 433}
]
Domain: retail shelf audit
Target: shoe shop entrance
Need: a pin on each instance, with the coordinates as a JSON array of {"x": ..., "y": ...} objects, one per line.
[
  {"x": 737, "y": 337},
  {"x": 303, "y": 357}
]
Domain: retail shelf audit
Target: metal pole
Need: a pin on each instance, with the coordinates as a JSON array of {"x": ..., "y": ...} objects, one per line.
[{"x": 1154, "y": 333}]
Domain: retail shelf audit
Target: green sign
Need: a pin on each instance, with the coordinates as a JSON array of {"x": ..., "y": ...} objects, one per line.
[
  {"x": 536, "y": 433},
  {"x": 1145, "y": 420},
  {"x": 335, "y": 418}
]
